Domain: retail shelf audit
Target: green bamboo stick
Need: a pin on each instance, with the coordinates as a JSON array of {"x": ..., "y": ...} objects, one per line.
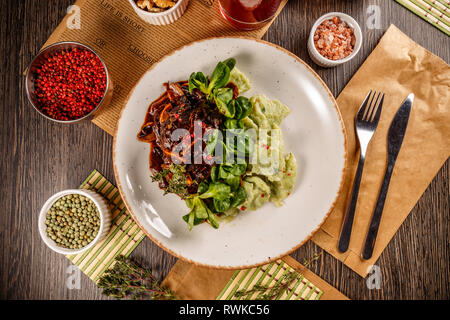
[
  {"x": 438, "y": 6},
  {"x": 431, "y": 12},
  {"x": 410, "y": 6}
]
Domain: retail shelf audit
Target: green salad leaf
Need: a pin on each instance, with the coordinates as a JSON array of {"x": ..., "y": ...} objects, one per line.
[
  {"x": 221, "y": 205},
  {"x": 233, "y": 181},
  {"x": 223, "y": 97},
  {"x": 199, "y": 213},
  {"x": 220, "y": 77},
  {"x": 243, "y": 107},
  {"x": 233, "y": 124},
  {"x": 203, "y": 187},
  {"x": 212, "y": 140},
  {"x": 198, "y": 80},
  {"x": 217, "y": 190},
  {"x": 231, "y": 63},
  {"x": 214, "y": 173},
  {"x": 215, "y": 196},
  {"x": 239, "y": 198},
  {"x": 238, "y": 169}
]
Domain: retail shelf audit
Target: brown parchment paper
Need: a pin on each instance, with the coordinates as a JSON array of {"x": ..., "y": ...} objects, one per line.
[
  {"x": 129, "y": 46},
  {"x": 397, "y": 66},
  {"x": 190, "y": 282}
]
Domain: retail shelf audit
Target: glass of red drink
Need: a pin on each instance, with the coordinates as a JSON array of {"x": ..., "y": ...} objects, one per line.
[{"x": 248, "y": 14}]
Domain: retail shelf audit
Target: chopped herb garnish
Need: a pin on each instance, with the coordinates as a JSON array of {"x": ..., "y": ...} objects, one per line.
[
  {"x": 176, "y": 179},
  {"x": 160, "y": 175}
]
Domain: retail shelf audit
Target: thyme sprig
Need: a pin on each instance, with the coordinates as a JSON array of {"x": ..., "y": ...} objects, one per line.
[
  {"x": 316, "y": 256},
  {"x": 270, "y": 293},
  {"x": 283, "y": 285},
  {"x": 129, "y": 280}
]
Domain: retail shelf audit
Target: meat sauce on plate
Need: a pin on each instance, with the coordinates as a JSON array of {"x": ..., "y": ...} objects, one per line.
[{"x": 177, "y": 108}]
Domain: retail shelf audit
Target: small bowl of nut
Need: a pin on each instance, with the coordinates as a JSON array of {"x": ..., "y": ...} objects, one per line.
[
  {"x": 159, "y": 12},
  {"x": 73, "y": 221}
]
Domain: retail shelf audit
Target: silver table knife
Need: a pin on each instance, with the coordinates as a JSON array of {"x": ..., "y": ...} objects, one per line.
[{"x": 395, "y": 139}]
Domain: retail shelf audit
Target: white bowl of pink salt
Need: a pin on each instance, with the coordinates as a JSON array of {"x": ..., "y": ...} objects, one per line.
[{"x": 335, "y": 38}]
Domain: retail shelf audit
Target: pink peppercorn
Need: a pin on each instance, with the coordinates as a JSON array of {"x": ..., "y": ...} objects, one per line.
[{"x": 70, "y": 84}]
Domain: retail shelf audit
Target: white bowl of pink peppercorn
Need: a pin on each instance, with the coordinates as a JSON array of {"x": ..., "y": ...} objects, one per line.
[{"x": 335, "y": 38}]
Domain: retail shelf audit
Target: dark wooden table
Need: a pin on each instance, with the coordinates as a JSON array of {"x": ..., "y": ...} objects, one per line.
[{"x": 39, "y": 158}]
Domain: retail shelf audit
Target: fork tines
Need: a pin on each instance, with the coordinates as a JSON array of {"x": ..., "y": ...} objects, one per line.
[{"x": 370, "y": 111}]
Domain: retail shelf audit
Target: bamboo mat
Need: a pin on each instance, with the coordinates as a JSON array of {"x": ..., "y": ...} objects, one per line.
[
  {"x": 269, "y": 276},
  {"x": 436, "y": 12},
  {"x": 122, "y": 239}
]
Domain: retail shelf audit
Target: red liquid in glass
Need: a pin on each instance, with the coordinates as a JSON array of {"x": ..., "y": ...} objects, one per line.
[{"x": 249, "y": 14}]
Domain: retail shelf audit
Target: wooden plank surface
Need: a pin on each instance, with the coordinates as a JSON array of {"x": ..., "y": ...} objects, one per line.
[{"x": 39, "y": 158}]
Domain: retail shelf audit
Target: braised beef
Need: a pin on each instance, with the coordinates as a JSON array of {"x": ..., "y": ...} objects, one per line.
[{"x": 177, "y": 108}]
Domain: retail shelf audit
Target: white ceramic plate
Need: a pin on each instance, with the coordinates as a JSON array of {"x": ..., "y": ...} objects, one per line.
[{"x": 313, "y": 132}]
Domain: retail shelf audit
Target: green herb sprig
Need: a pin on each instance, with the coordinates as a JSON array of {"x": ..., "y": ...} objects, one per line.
[
  {"x": 129, "y": 280},
  {"x": 270, "y": 293}
]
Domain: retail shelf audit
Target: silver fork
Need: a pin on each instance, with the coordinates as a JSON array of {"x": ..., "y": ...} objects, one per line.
[{"x": 366, "y": 122}]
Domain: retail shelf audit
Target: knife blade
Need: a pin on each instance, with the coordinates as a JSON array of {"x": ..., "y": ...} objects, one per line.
[
  {"x": 396, "y": 134},
  {"x": 398, "y": 127}
]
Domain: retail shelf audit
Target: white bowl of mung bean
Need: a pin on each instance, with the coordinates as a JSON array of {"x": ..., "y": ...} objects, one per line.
[{"x": 73, "y": 221}]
